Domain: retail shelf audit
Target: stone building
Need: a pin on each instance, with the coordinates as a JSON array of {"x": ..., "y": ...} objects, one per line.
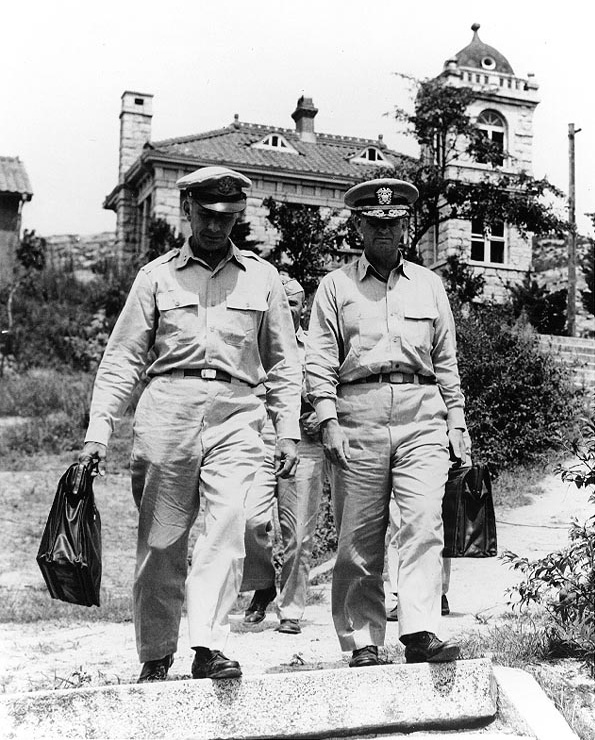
[
  {"x": 296, "y": 165},
  {"x": 15, "y": 190},
  {"x": 503, "y": 108}
]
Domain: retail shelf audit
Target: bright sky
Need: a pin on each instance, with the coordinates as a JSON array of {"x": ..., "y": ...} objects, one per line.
[{"x": 65, "y": 64}]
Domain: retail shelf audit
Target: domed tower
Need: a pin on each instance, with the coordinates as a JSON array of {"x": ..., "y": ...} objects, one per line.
[{"x": 503, "y": 108}]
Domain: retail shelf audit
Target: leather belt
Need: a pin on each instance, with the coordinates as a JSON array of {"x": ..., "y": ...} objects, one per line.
[
  {"x": 398, "y": 378},
  {"x": 208, "y": 373}
]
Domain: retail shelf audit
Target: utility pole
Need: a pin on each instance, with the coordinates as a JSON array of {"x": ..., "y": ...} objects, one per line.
[{"x": 571, "y": 305}]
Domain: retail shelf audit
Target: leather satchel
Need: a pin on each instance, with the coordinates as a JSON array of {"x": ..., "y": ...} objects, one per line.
[
  {"x": 468, "y": 514},
  {"x": 69, "y": 554}
]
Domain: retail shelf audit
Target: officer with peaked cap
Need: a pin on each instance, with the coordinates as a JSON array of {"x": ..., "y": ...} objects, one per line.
[
  {"x": 297, "y": 500},
  {"x": 209, "y": 323},
  {"x": 381, "y": 372}
]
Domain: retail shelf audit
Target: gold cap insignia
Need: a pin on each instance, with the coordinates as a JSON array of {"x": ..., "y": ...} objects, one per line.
[
  {"x": 385, "y": 196},
  {"x": 226, "y": 185}
]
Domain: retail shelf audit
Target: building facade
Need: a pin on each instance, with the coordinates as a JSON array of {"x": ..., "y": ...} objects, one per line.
[
  {"x": 294, "y": 165},
  {"x": 502, "y": 108}
]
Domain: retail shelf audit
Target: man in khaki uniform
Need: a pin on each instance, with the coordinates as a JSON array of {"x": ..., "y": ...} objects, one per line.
[
  {"x": 209, "y": 323},
  {"x": 381, "y": 372},
  {"x": 298, "y": 499}
]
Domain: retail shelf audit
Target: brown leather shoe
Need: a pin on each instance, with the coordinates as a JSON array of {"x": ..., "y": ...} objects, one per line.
[
  {"x": 256, "y": 612},
  {"x": 155, "y": 670},
  {"x": 364, "y": 657},
  {"x": 425, "y": 647},
  {"x": 289, "y": 626},
  {"x": 215, "y": 666}
]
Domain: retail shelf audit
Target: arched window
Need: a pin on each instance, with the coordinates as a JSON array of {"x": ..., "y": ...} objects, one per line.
[{"x": 492, "y": 125}]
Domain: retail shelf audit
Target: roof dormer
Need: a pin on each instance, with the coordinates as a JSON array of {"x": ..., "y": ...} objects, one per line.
[
  {"x": 275, "y": 142},
  {"x": 371, "y": 155}
]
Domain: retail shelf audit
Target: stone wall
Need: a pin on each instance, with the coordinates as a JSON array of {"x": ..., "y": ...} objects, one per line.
[{"x": 578, "y": 353}]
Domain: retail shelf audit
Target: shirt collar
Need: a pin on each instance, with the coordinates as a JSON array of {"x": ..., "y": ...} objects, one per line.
[
  {"x": 186, "y": 254},
  {"x": 364, "y": 267}
]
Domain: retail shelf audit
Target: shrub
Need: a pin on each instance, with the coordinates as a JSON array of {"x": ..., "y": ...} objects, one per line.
[
  {"x": 563, "y": 582},
  {"x": 519, "y": 400}
]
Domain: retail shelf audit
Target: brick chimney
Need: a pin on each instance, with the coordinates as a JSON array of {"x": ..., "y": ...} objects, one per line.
[
  {"x": 303, "y": 116},
  {"x": 135, "y": 128}
]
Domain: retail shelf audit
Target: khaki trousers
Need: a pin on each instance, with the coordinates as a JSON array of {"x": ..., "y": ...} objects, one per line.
[
  {"x": 194, "y": 440},
  {"x": 398, "y": 441},
  {"x": 298, "y": 501},
  {"x": 392, "y": 552}
]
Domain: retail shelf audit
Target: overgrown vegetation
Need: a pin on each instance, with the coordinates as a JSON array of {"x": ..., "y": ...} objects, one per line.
[{"x": 563, "y": 582}]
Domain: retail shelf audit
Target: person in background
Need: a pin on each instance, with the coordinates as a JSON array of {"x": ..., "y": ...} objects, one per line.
[
  {"x": 382, "y": 375},
  {"x": 208, "y": 323},
  {"x": 298, "y": 500}
]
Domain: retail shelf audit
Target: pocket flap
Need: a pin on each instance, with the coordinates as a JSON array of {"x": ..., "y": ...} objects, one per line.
[
  {"x": 247, "y": 302},
  {"x": 421, "y": 312},
  {"x": 175, "y": 299}
]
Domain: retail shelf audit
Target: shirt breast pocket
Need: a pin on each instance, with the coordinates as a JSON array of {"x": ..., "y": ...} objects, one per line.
[
  {"x": 178, "y": 315},
  {"x": 418, "y": 326},
  {"x": 243, "y": 314}
]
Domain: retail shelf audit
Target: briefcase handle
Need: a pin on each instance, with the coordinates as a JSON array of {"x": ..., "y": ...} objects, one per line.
[{"x": 78, "y": 480}]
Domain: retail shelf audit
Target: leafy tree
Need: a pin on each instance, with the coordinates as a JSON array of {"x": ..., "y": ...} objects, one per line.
[
  {"x": 30, "y": 258},
  {"x": 445, "y": 132},
  {"x": 306, "y": 240},
  {"x": 162, "y": 238},
  {"x": 240, "y": 236},
  {"x": 545, "y": 310},
  {"x": 588, "y": 268},
  {"x": 460, "y": 281}
]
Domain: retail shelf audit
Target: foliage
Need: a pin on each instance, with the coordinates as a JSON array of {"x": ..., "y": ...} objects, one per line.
[
  {"x": 545, "y": 310},
  {"x": 461, "y": 282},
  {"x": 240, "y": 236},
  {"x": 162, "y": 237},
  {"x": 31, "y": 252},
  {"x": 325, "y": 537},
  {"x": 447, "y": 135},
  {"x": 563, "y": 582},
  {"x": 588, "y": 268},
  {"x": 518, "y": 400},
  {"x": 306, "y": 240}
]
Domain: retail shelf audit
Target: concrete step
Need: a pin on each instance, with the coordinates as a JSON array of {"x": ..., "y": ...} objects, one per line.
[{"x": 309, "y": 704}]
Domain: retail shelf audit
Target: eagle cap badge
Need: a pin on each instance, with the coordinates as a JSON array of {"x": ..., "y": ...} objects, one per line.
[
  {"x": 385, "y": 196},
  {"x": 226, "y": 185}
]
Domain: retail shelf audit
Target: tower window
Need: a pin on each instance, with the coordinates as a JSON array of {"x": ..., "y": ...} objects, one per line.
[
  {"x": 488, "y": 63},
  {"x": 491, "y": 125},
  {"x": 488, "y": 245}
]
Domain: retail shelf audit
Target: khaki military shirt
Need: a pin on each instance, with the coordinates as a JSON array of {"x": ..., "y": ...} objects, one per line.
[
  {"x": 360, "y": 326},
  {"x": 180, "y": 315}
]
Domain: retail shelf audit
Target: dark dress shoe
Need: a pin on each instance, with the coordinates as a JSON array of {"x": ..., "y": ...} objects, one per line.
[
  {"x": 444, "y": 606},
  {"x": 216, "y": 665},
  {"x": 425, "y": 647},
  {"x": 289, "y": 626},
  {"x": 155, "y": 670},
  {"x": 392, "y": 614},
  {"x": 257, "y": 610},
  {"x": 364, "y": 657}
]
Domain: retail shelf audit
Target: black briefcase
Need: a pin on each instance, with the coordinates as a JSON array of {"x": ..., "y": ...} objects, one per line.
[
  {"x": 468, "y": 514},
  {"x": 70, "y": 550}
]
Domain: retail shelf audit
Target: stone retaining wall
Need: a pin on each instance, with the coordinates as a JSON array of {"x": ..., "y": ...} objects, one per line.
[{"x": 577, "y": 352}]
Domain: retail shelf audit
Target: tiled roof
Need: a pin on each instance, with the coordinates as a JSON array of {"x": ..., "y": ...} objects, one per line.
[
  {"x": 329, "y": 156},
  {"x": 13, "y": 177}
]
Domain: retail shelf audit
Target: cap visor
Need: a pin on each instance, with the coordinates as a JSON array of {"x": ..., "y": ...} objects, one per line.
[{"x": 236, "y": 207}]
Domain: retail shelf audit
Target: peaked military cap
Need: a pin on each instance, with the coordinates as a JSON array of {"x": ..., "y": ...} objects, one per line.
[
  {"x": 216, "y": 188},
  {"x": 385, "y": 197}
]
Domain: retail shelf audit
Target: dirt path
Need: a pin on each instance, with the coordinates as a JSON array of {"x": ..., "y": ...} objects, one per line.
[{"x": 45, "y": 655}]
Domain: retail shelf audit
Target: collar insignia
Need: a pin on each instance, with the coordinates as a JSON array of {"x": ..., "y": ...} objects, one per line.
[{"x": 385, "y": 196}]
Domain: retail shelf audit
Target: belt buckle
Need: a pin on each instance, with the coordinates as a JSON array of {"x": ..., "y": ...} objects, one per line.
[
  {"x": 207, "y": 373},
  {"x": 395, "y": 377}
]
